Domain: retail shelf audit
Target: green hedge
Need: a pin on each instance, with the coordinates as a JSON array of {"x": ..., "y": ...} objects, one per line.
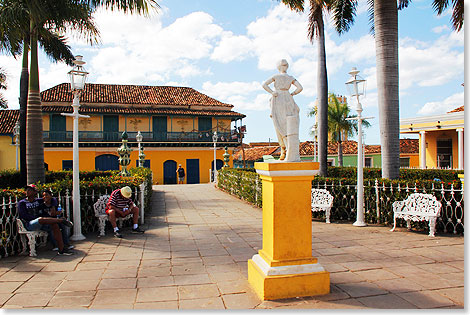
[
  {"x": 10, "y": 179},
  {"x": 245, "y": 184},
  {"x": 405, "y": 173}
]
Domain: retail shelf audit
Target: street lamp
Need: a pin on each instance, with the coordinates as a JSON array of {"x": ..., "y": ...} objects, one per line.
[
  {"x": 314, "y": 131},
  {"x": 356, "y": 87},
  {"x": 214, "y": 139},
  {"x": 139, "y": 139},
  {"x": 77, "y": 84},
  {"x": 16, "y": 133}
]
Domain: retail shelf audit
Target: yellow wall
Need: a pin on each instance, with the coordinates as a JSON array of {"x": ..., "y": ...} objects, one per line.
[
  {"x": 54, "y": 156},
  {"x": 45, "y": 122},
  {"x": 7, "y": 153},
  {"x": 182, "y": 124},
  {"x": 138, "y": 123},
  {"x": 93, "y": 123},
  {"x": 414, "y": 159},
  {"x": 431, "y": 149}
]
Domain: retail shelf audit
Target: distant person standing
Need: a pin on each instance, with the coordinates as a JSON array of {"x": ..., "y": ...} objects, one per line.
[{"x": 181, "y": 174}]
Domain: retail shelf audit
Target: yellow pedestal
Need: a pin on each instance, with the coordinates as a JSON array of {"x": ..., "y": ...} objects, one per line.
[{"x": 285, "y": 267}]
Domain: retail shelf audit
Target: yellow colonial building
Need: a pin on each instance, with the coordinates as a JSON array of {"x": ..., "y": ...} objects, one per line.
[
  {"x": 441, "y": 138},
  {"x": 177, "y": 124},
  {"x": 8, "y": 119}
]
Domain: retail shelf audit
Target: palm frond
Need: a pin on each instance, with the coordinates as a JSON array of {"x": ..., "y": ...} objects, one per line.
[
  {"x": 370, "y": 13},
  {"x": 55, "y": 46},
  {"x": 143, "y": 7},
  {"x": 315, "y": 19},
  {"x": 344, "y": 12},
  {"x": 295, "y": 5}
]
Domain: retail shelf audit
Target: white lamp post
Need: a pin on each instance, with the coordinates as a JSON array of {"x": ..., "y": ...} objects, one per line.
[
  {"x": 16, "y": 133},
  {"x": 314, "y": 131},
  {"x": 139, "y": 139},
  {"x": 214, "y": 139},
  {"x": 356, "y": 86},
  {"x": 77, "y": 84}
]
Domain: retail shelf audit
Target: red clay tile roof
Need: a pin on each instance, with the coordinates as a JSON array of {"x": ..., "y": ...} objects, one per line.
[
  {"x": 136, "y": 99},
  {"x": 460, "y": 109},
  {"x": 409, "y": 145},
  {"x": 132, "y": 94},
  {"x": 84, "y": 109},
  {"x": 255, "y": 154},
  {"x": 8, "y": 119},
  {"x": 350, "y": 147}
]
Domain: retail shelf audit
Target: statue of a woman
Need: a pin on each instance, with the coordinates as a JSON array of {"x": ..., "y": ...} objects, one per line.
[{"x": 285, "y": 112}]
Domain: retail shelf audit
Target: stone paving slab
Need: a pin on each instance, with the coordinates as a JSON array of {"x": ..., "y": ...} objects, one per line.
[{"x": 194, "y": 256}]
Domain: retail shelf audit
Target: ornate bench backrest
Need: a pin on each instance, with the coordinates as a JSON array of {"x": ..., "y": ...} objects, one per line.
[
  {"x": 321, "y": 198},
  {"x": 21, "y": 227},
  {"x": 424, "y": 203},
  {"x": 100, "y": 205}
]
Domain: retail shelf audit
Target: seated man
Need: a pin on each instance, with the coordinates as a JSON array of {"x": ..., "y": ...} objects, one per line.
[
  {"x": 120, "y": 205},
  {"x": 29, "y": 211},
  {"x": 50, "y": 209}
]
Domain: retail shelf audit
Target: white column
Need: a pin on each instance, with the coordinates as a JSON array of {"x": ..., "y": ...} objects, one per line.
[
  {"x": 461, "y": 149},
  {"x": 77, "y": 221},
  {"x": 422, "y": 152},
  {"x": 360, "y": 173}
]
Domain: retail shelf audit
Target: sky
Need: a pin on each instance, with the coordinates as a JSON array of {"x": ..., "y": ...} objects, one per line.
[{"x": 227, "y": 49}]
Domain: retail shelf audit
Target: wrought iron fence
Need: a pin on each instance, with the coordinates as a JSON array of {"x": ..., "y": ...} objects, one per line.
[
  {"x": 10, "y": 239},
  {"x": 378, "y": 200}
]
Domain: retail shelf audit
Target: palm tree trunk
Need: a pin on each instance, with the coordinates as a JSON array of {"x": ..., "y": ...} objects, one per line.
[
  {"x": 24, "y": 79},
  {"x": 34, "y": 135},
  {"x": 386, "y": 45},
  {"x": 340, "y": 152},
  {"x": 322, "y": 91}
]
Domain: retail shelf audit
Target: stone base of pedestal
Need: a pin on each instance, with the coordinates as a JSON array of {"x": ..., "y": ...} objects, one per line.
[{"x": 272, "y": 283}]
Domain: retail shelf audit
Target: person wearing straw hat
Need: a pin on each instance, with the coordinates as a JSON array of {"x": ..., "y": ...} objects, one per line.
[{"x": 120, "y": 205}]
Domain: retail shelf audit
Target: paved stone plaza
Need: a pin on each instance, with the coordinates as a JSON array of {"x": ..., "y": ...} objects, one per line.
[{"x": 194, "y": 256}]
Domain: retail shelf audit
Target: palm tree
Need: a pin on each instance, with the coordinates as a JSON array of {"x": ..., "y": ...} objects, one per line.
[
  {"x": 3, "y": 86},
  {"x": 343, "y": 14},
  {"x": 338, "y": 124},
  {"x": 15, "y": 33},
  {"x": 58, "y": 16},
  {"x": 384, "y": 14}
]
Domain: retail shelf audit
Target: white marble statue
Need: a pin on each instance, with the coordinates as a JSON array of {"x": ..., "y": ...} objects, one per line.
[{"x": 285, "y": 112}]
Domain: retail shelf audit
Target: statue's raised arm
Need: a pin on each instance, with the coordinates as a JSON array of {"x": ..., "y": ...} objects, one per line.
[{"x": 285, "y": 112}]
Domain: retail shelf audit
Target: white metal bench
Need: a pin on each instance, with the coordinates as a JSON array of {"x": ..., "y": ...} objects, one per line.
[
  {"x": 417, "y": 207},
  {"x": 322, "y": 200},
  {"x": 32, "y": 237},
  {"x": 100, "y": 213}
]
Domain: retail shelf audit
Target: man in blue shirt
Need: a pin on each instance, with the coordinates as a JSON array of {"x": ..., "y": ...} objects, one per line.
[{"x": 30, "y": 212}]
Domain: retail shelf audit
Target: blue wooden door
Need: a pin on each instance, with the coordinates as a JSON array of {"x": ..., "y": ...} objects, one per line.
[
  {"x": 169, "y": 172},
  {"x": 57, "y": 127},
  {"x": 192, "y": 171},
  {"x": 106, "y": 162},
  {"x": 205, "y": 128},
  {"x": 218, "y": 164},
  {"x": 160, "y": 128},
  {"x": 110, "y": 128}
]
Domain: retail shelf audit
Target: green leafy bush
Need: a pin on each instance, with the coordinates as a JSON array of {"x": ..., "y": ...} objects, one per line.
[{"x": 405, "y": 173}]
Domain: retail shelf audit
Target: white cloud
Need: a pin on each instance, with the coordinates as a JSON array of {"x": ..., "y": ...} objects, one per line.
[
  {"x": 232, "y": 48},
  {"x": 152, "y": 53},
  {"x": 243, "y": 95},
  {"x": 424, "y": 65},
  {"x": 440, "y": 29},
  {"x": 12, "y": 67},
  {"x": 280, "y": 34},
  {"x": 448, "y": 104}
]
